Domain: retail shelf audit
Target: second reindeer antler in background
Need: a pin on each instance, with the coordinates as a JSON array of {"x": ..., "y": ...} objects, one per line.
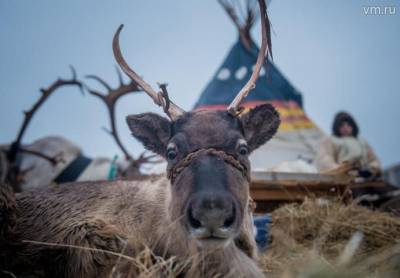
[{"x": 110, "y": 99}]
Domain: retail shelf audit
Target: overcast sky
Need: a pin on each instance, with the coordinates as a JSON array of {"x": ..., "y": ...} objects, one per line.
[{"x": 335, "y": 54}]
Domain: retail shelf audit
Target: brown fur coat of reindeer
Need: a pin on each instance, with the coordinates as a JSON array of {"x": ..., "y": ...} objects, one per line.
[{"x": 198, "y": 211}]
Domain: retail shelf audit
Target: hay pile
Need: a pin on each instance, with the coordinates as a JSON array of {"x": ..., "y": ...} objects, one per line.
[
  {"x": 310, "y": 240},
  {"x": 344, "y": 241}
]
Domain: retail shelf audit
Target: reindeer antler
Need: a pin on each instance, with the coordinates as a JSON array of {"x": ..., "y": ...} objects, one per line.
[
  {"x": 110, "y": 99},
  {"x": 16, "y": 145},
  {"x": 172, "y": 110},
  {"x": 233, "y": 108}
]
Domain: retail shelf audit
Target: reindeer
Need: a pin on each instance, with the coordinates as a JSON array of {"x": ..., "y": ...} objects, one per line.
[
  {"x": 11, "y": 156},
  {"x": 54, "y": 159},
  {"x": 199, "y": 210}
]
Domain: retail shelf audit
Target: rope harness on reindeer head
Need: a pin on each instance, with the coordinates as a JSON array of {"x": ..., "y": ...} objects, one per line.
[{"x": 174, "y": 171}]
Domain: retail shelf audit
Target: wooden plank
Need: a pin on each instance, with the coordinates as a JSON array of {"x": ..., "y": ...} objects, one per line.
[
  {"x": 270, "y": 179},
  {"x": 269, "y": 189},
  {"x": 299, "y": 177},
  {"x": 369, "y": 184},
  {"x": 290, "y": 195},
  {"x": 274, "y": 188},
  {"x": 295, "y": 185}
]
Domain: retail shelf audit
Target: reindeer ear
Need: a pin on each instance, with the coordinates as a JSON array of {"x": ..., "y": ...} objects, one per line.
[
  {"x": 260, "y": 124},
  {"x": 152, "y": 130}
]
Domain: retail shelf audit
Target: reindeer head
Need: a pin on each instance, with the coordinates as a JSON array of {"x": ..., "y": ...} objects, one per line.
[{"x": 207, "y": 154}]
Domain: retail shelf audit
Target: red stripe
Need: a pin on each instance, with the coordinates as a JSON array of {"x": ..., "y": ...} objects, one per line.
[
  {"x": 250, "y": 104},
  {"x": 276, "y": 103},
  {"x": 295, "y": 118}
]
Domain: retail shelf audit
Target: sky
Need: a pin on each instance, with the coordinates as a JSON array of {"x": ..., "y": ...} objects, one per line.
[{"x": 338, "y": 56}]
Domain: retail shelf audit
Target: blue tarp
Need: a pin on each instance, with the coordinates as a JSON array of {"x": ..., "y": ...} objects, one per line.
[{"x": 262, "y": 224}]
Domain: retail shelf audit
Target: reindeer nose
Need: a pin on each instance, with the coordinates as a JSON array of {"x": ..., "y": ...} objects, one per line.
[{"x": 211, "y": 215}]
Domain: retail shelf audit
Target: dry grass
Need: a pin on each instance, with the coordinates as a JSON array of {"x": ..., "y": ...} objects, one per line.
[
  {"x": 317, "y": 239},
  {"x": 145, "y": 264}
]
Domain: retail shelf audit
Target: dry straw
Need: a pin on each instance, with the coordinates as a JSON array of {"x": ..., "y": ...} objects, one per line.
[{"x": 329, "y": 239}]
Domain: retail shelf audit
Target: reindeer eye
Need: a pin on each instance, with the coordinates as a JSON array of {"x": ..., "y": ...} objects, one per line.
[
  {"x": 243, "y": 150},
  {"x": 171, "y": 153}
]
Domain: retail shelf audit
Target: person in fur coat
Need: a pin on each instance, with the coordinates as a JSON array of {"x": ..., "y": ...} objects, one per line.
[{"x": 345, "y": 146}]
